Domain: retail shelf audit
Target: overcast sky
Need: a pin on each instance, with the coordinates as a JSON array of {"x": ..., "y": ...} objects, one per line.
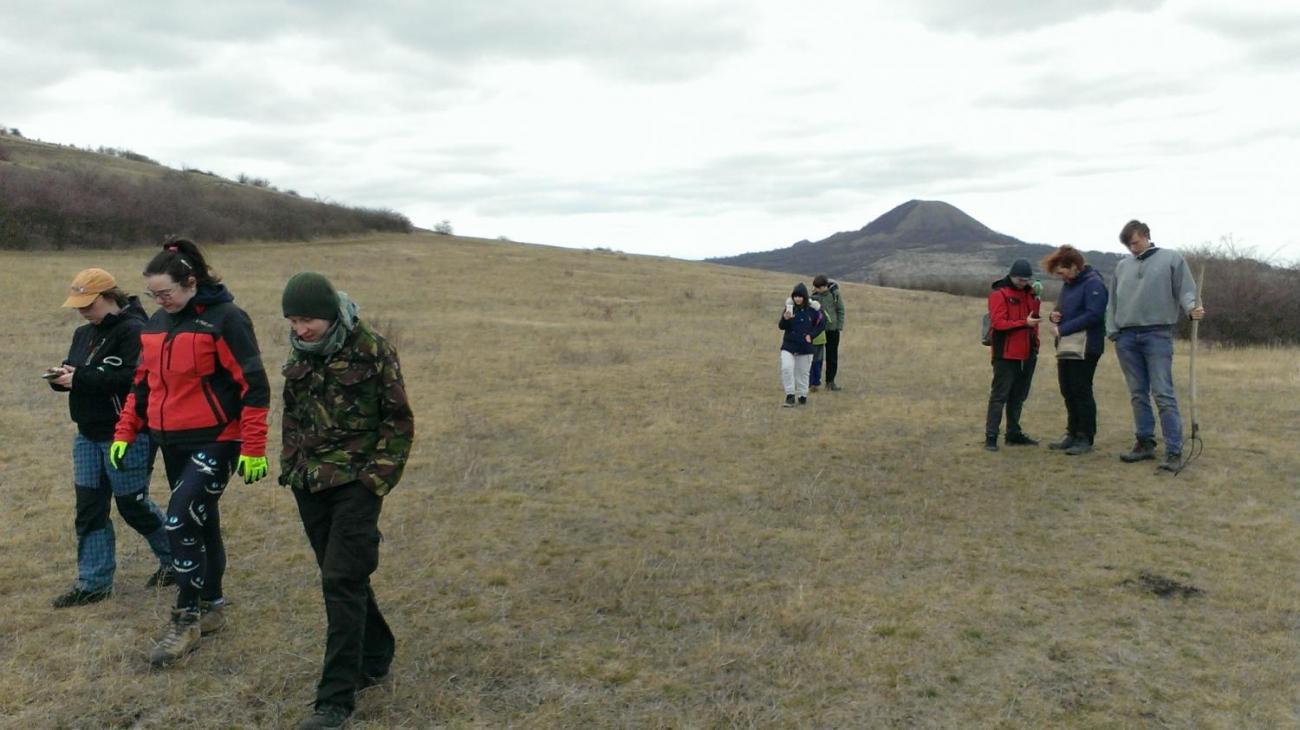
[{"x": 696, "y": 128}]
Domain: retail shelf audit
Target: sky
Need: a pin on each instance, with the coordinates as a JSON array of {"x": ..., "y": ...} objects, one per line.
[{"x": 698, "y": 128}]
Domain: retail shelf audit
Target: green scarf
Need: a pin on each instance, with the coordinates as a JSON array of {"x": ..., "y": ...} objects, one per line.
[{"x": 332, "y": 342}]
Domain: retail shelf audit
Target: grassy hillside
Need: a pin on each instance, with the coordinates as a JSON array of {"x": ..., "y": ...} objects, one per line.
[
  {"x": 55, "y": 197},
  {"x": 608, "y": 520}
]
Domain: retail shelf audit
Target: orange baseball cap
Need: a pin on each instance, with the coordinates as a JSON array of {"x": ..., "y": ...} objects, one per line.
[{"x": 88, "y": 285}]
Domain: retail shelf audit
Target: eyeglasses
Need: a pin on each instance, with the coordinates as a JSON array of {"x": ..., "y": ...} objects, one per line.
[{"x": 160, "y": 295}]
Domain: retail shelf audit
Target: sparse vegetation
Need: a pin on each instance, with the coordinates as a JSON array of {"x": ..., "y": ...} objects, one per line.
[
  {"x": 608, "y": 521},
  {"x": 69, "y": 202}
]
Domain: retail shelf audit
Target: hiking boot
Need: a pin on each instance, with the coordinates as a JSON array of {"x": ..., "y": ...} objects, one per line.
[
  {"x": 1066, "y": 442},
  {"x": 163, "y": 576},
  {"x": 813, "y": 388},
  {"x": 179, "y": 638},
  {"x": 1020, "y": 439},
  {"x": 832, "y": 386},
  {"x": 212, "y": 616},
  {"x": 803, "y": 400},
  {"x": 78, "y": 597},
  {"x": 1172, "y": 462},
  {"x": 325, "y": 717},
  {"x": 789, "y": 401},
  {"x": 1079, "y": 447},
  {"x": 1143, "y": 450},
  {"x": 990, "y": 443}
]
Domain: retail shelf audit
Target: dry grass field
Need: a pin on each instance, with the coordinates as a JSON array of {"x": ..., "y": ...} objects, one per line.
[{"x": 608, "y": 520}]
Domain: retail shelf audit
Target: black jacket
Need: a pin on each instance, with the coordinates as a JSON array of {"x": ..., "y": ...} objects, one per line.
[
  {"x": 105, "y": 356},
  {"x": 808, "y": 322}
]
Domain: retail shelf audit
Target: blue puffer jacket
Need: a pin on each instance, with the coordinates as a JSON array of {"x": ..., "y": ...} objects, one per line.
[
  {"x": 1083, "y": 307},
  {"x": 808, "y": 321}
]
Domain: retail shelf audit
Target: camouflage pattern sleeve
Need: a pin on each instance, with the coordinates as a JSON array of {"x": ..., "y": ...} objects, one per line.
[
  {"x": 396, "y": 428},
  {"x": 289, "y": 432}
]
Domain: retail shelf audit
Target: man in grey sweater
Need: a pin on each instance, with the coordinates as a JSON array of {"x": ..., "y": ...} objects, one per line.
[{"x": 1150, "y": 292}]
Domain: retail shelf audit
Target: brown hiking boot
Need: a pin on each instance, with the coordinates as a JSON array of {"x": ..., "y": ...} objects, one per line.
[
  {"x": 1143, "y": 450},
  {"x": 179, "y": 638},
  {"x": 212, "y": 616}
]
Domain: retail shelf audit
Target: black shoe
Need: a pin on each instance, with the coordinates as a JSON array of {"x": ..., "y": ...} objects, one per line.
[
  {"x": 803, "y": 400},
  {"x": 1143, "y": 450},
  {"x": 789, "y": 401},
  {"x": 990, "y": 443},
  {"x": 1066, "y": 442},
  {"x": 832, "y": 386},
  {"x": 1020, "y": 439},
  {"x": 326, "y": 717},
  {"x": 1079, "y": 447},
  {"x": 1172, "y": 462},
  {"x": 78, "y": 597},
  {"x": 164, "y": 576}
]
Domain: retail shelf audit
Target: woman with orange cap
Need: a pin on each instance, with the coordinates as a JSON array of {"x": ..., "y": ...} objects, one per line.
[{"x": 96, "y": 375}]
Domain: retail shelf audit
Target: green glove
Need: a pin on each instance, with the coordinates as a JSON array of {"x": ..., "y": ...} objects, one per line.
[
  {"x": 117, "y": 452},
  {"x": 1038, "y": 288},
  {"x": 252, "y": 468}
]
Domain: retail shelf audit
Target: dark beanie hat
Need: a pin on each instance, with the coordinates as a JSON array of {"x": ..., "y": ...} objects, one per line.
[
  {"x": 308, "y": 294},
  {"x": 1022, "y": 268}
]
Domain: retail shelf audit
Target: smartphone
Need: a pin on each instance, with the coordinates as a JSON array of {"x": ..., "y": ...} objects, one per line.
[{"x": 51, "y": 374}]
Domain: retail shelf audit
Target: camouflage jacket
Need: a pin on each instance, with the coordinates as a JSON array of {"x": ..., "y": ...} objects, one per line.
[{"x": 346, "y": 417}]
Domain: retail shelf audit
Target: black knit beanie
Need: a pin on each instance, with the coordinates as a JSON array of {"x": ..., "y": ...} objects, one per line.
[{"x": 308, "y": 294}]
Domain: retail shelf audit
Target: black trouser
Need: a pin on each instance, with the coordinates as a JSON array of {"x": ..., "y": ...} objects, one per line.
[
  {"x": 1011, "y": 381},
  {"x": 342, "y": 524},
  {"x": 832, "y": 355},
  {"x": 198, "y": 476},
  {"x": 1075, "y": 378}
]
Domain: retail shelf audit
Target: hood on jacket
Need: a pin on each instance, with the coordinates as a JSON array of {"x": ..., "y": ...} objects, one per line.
[
  {"x": 209, "y": 294},
  {"x": 1005, "y": 283},
  {"x": 800, "y": 290}
]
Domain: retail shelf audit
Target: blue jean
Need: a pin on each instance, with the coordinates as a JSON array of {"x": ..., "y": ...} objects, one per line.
[
  {"x": 1146, "y": 355},
  {"x": 97, "y": 484},
  {"x": 815, "y": 374}
]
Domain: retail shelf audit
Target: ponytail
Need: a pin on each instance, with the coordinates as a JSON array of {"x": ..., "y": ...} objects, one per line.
[{"x": 180, "y": 258}]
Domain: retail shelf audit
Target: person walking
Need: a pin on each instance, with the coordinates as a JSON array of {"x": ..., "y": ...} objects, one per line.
[
  {"x": 1152, "y": 289},
  {"x": 96, "y": 375},
  {"x": 347, "y": 432},
  {"x": 827, "y": 294},
  {"x": 201, "y": 394},
  {"x": 1078, "y": 324},
  {"x": 1013, "y": 316},
  {"x": 802, "y": 322}
]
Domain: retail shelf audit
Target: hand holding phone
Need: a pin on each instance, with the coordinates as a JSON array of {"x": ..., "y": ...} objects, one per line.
[{"x": 51, "y": 373}]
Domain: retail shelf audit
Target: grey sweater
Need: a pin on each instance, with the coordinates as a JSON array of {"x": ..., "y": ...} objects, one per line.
[{"x": 1150, "y": 289}]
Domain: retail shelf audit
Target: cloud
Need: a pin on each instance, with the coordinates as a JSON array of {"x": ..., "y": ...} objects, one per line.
[
  {"x": 1269, "y": 37},
  {"x": 1009, "y": 16},
  {"x": 1066, "y": 90}
]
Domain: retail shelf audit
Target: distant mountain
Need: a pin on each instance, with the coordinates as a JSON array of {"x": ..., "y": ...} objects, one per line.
[{"x": 913, "y": 245}]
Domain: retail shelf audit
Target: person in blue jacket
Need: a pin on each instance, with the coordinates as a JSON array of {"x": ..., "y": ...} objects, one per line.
[
  {"x": 802, "y": 322},
  {"x": 1079, "y": 326}
]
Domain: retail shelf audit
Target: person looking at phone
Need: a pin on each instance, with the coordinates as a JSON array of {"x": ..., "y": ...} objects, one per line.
[{"x": 96, "y": 375}]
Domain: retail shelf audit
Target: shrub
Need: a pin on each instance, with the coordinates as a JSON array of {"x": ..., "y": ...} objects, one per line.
[
  {"x": 1247, "y": 301},
  {"x": 80, "y": 206}
]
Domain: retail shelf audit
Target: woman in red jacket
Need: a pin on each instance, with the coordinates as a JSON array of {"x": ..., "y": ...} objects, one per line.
[
  {"x": 1013, "y": 315},
  {"x": 201, "y": 393}
]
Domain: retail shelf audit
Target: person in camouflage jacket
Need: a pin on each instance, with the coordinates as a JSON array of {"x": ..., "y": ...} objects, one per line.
[{"x": 347, "y": 430}]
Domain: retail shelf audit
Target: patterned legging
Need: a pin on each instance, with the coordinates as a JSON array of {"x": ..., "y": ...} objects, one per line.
[{"x": 198, "y": 476}]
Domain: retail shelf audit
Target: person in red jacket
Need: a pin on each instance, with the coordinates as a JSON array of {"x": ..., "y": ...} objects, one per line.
[
  {"x": 1013, "y": 316},
  {"x": 201, "y": 393}
]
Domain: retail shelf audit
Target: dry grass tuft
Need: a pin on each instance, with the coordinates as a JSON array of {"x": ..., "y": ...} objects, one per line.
[{"x": 608, "y": 521}]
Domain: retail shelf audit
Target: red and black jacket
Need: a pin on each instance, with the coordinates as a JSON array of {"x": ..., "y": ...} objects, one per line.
[
  {"x": 1009, "y": 309},
  {"x": 200, "y": 377}
]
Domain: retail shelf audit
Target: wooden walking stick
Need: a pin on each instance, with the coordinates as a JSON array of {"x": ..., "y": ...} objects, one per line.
[{"x": 1194, "y": 445}]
